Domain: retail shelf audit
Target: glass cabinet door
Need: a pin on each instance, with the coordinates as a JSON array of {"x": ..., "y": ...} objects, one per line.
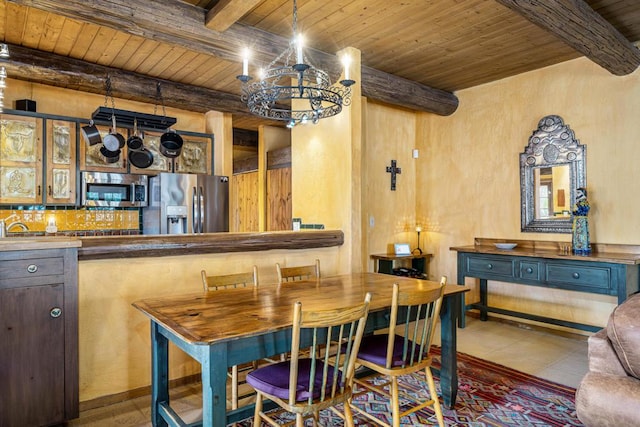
[
  {"x": 61, "y": 162},
  {"x": 20, "y": 159}
]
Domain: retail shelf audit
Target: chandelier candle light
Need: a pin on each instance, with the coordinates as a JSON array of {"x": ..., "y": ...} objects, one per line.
[{"x": 291, "y": 76}]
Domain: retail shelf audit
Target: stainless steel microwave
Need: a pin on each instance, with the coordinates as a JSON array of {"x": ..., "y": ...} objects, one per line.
[{"x": 114, "y": 189}]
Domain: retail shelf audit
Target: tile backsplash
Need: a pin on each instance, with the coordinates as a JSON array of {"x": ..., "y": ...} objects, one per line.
[{"x": 72, "y": 221}]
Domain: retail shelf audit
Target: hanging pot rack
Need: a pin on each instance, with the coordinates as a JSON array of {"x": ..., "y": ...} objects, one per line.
[{"x": 126, "y": 119}]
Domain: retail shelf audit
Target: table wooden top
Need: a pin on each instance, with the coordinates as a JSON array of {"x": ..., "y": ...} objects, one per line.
[
  {"x": 392, "y": 257},
  {"x": 210, "y": 317}
]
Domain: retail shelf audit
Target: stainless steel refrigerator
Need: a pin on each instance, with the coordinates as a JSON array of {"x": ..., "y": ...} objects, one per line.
[{"x": 186, "y": 203}]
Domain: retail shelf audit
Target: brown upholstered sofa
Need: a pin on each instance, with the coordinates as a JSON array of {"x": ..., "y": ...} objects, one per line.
[{"x": 609, "y": 394}]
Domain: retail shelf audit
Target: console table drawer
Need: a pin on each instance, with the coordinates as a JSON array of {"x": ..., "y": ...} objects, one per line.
[
  {"x": 487, "y": 267},
  {"x": 582, "y": 276}
]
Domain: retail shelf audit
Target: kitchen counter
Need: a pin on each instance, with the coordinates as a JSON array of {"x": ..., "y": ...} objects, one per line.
[
  {"x": 109, "y": 247},
  {"x": 31, "y": 243}
]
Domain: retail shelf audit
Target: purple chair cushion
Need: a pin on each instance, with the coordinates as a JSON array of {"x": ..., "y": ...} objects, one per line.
[
  {"x": 274, "y": 379},
  {"x": 374, "y": 349}
]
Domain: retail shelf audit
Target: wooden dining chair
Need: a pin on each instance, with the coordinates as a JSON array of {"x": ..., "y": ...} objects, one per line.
[
  {"x": 306, "y": 385},
  {"x": 232, "y": 281},
  {"x": 304, "y": 272},
  {"x": 392, "y": 355}
]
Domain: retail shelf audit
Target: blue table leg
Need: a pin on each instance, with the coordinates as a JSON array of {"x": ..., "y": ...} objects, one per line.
[
  {"x": 449, "y": 314},
  {"x": 159, "y": 374},
  {"x": 214, "y": 386}
]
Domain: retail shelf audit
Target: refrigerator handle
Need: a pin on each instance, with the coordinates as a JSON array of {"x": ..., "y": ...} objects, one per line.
[
  {"x": 195, "y": 212},
  {"x": 202, "y": 205}
]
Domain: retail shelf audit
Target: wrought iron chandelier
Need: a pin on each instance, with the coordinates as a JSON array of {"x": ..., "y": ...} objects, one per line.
[{"x": 289, "y": 77}]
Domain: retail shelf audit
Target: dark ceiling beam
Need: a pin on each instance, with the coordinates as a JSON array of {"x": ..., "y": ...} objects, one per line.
[
  {"x": 55, "y": 70},
  {"x": 227, "y": 12},
  {"x": 183, "y": 24},
  {"x": 578, "y": 25}
]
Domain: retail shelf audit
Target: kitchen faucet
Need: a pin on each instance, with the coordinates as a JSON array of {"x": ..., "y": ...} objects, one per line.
[{"x": 4, "y": 228}]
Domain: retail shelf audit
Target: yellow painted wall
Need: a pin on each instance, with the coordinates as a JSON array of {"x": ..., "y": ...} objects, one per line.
[
  {"x": 115, "y": 348},
  {"x": 327, "y": 174},
  {"x": 73, "y": 103},
  {"x": 469, "y": 183},
  {"x": 390, "y": 216}
]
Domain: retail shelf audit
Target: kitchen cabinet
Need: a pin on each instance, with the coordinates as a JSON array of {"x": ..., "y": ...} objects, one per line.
[
  {"x": 61, "y": 162},
  {"x": 39, "y": 333},
  {"x": 160, "y": 162},
  {"x": 196, "y": 155},
  {"x": 21, "y": 165},
  {"x": 92, "y": 160}
]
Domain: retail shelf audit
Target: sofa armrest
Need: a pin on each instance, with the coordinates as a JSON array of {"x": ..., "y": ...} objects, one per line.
[{"x": 602, "y": 356}]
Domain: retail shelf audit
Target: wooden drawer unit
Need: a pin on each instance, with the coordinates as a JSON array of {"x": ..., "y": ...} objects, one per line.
[
  {"x": 529, "y": 270},
  {"x": 579, "y": 277},
  {"x": 600, "y": 275},
  {"x": 39, "y": 331},
  {"x": 490, "y": 267}
]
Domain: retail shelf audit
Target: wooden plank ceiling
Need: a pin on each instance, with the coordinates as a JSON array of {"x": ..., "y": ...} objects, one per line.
[{"x": 436, "y": 45}]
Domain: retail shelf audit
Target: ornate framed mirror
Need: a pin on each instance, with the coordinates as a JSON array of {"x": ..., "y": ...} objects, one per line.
[{"x": 552, "y": 167}]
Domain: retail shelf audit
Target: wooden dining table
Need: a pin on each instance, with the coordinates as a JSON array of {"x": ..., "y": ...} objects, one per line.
[{"x": 230, "y": 327}]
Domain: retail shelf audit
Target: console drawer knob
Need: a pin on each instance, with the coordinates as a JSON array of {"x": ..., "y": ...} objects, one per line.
[{"x": 576, "y": 275}]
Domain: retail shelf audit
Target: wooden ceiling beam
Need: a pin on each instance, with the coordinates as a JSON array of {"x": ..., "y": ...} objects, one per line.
[
  {"x": 227, "y": 12},
  {"x": 578, "y": 25},
  {"x": 183, "y": 24},
  {"x": 61, "y": 71}
]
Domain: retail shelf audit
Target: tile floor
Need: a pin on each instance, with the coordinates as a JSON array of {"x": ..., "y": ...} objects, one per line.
[{"x": 549, "y": 355}]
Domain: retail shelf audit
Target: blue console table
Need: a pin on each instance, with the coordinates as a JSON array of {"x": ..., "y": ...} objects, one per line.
[{"x": 609, "y": 270}]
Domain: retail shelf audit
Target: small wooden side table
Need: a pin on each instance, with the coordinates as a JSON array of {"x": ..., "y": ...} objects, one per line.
[{"x": 384, "y": 262}]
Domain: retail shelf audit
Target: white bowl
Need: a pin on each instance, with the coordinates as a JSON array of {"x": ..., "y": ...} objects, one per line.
[{"x": 505, "y": 245}]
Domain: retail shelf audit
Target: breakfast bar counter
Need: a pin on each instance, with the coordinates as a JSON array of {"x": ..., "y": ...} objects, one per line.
[{"x": 110, "y": 247}]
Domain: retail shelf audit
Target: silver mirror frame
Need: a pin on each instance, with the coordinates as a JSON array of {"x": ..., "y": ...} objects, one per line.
[{"x": 552, "y": 144}]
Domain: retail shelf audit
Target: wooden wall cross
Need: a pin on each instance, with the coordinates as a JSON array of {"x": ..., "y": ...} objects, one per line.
[{"x": 393, "y": 170}]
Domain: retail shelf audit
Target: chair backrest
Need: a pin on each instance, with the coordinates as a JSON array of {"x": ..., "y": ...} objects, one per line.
[
  {"x": 335, "y": 336},
  {"x": 236, "y": 280},
  {"x": 417, "y": 311},
  {"x": 303, "y": 272}
]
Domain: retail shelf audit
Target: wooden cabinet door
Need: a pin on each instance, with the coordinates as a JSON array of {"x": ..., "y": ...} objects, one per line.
[
  {"x": 32, "y": 356},
  {"x": 92, "y": 160},
  {"x": 61, "y": 162},
  {"x": 160, "y": 163},
  {"x": 196, "y": 154},
  {"x": 20, "y": 159}
]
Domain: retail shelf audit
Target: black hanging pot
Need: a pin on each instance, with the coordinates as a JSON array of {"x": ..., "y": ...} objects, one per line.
[
  {"x": 141, "y": 158},
  {"x": 110, "y": 156},
  {"x": 90, "y": 134},
  {"x": 113, "y": 141},
  {"x": 171, "y": 144},
  {"x": 135, "y": 142}
]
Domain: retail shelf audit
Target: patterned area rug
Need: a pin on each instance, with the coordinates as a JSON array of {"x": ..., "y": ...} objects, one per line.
[{"x": 489, "y": 395}]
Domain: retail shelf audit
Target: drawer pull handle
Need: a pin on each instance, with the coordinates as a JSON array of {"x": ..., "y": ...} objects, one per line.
[
  {"x": 32, "y": 268},
  {"x": 529, "y": 270},
  {"x": 55, "y": 312},
  {"x": 576, "y": 275},
  {"x": 489, "y": 266}
]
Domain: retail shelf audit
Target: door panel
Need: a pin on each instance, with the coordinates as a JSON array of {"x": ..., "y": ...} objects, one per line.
[{"x": 32, "y": 356}]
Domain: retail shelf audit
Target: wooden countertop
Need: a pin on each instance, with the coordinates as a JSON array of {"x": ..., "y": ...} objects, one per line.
[
  {"x": 105, "y": 247},
  {"x": 619, "y": 254},
  {"x": 33, "y": 243}
]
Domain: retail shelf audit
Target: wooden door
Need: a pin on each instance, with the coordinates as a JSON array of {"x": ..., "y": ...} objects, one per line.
[
  {"x": 32, "y": 356},
  {"x": 92, "y": 160},
  {"x": 20, "y": 159},
  {"x": 61, "y": 162}
]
